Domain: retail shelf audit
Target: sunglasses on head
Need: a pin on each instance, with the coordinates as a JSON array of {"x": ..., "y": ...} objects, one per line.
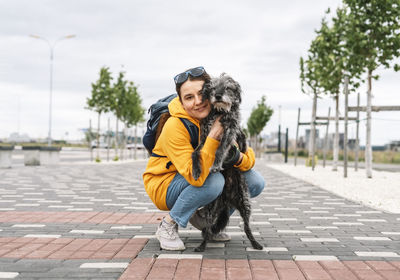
[{"x": 194, "y": 72}]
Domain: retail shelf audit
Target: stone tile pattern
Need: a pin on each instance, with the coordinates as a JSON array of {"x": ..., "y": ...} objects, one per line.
[
  {"x": 186, "y": 269},
  {"x": 78, "y": 215}
]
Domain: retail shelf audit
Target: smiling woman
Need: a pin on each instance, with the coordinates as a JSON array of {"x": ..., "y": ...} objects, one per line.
[
  {"x": 168, "y": 178},
  {"x": 192, "y": 99}
]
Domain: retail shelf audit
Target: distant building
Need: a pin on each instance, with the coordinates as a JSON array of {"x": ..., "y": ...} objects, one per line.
[
  {"x": 394, "y": 146},
  {"x": 271, "y": 141},
  {"x": 18, "y": 138}
]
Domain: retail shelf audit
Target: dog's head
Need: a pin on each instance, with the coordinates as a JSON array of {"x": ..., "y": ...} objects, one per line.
[{"x": 223, "y": 93}]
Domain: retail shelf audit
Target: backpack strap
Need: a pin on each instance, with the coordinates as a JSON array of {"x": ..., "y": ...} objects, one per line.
[
  {"x": 194, "y": 137},
  {"x": 193, "y": 132}
]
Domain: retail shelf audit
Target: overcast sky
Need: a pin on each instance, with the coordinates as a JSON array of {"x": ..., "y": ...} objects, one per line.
[{"x": 257, "y": 42}]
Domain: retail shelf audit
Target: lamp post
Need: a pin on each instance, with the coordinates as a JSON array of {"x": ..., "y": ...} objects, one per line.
[{"x": 51, "y": 46}]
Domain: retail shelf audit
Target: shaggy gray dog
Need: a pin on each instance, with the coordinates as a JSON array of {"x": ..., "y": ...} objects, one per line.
[{"x": 224, "y": 94}]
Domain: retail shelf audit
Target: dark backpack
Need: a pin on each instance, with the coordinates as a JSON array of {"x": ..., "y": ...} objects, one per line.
[{"x": 159, "y": 114}]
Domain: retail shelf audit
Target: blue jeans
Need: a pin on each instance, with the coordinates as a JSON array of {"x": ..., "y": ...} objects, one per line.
[{"x": 184, "y": 199}]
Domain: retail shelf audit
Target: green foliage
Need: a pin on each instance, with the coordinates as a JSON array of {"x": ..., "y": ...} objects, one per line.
[
  {"x": 259, "y": 117},
  {"x": 374, "y": 32},
  {"x": 132, "y": 112},
  {"x": 126, "y": 102},
  {"x": 119, "y": 94},
  {"x": 329, "y": 59},
  {"x": 101, "y": 92},
  {"x": 359, "y": 38},
  {"x": 122, "y": 98}
]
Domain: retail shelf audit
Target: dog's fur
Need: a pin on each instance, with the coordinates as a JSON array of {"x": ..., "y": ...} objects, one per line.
[{"x": 224, "y": 94}]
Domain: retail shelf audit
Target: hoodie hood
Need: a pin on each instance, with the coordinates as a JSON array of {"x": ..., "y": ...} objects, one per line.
[{"x": 176, "y": 110}]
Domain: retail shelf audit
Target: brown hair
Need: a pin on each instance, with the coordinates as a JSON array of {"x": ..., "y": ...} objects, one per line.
[{"x": 204, "y": 77}]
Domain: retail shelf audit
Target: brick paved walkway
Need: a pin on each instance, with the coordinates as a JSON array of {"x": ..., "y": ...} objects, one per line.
[{"x": 96, "y": 222}]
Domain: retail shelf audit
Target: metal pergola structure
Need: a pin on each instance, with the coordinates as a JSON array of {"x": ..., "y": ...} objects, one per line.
[
  {"x": 314, "y": 122},
  {"x": 357, "y": 109},
  {"x": 327, "y": 119}
]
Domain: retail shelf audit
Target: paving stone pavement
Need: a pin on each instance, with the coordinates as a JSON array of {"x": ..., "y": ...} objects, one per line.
[{"x": 96, "y": 222}]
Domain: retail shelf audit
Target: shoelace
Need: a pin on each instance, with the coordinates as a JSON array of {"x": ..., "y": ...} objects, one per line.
[{"x": 170, "y": 230}]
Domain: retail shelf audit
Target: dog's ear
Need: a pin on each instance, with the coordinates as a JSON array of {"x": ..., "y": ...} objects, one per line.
[
  {"x": 235, "y": 86},
  {"x": 205, "y": 91}
]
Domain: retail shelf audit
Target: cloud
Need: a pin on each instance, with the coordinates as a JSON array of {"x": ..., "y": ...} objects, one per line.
[{"x": 259, "y": 43}]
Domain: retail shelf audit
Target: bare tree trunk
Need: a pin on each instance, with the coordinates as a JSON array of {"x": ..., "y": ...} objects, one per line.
[
  {"x": 98, "y": 137},
  {"x": 108, "y": 139},
  {"x": 311, "y": 151},
  {"x": 336, "y": 139},
  {"x": 326, "y": 138},
  {"x": 357, "y": 133},
  {"x": 122, "y": 148},
  {"x": 368, "y": 147},
  {"x": 116, "y": 139},
  {"x": 90, "y": 140}
]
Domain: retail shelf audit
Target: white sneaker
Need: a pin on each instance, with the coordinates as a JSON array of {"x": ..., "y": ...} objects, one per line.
[
  {"x": 167, "y": 234},
  {"x": 220, "y": 237}
]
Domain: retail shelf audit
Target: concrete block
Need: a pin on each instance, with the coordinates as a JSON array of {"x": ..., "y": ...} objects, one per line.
[
  {"x": 41, "y": 155},
  {"x": 6, "y": 156},
  {"x": 31, "y": 155}
]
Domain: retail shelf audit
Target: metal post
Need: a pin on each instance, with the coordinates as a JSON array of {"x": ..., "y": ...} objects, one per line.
[
  {"x": 286, "y": 144},
  {"x": 368, "y": 144},
  {"x": 357, "y": 136},
  {"x": 346, "y": 105},
  {"x": 297, "y": 136},
  {"x": 326, "y": 137},
  {"x": 90, "y": 140},
  {"x": 51, "y": 95},
  {"x": 51, "y": 76},
  {"x": 279, "y": 138}
]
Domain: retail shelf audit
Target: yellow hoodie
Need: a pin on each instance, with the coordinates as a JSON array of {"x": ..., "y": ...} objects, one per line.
[{"x": 174, "y": 144}]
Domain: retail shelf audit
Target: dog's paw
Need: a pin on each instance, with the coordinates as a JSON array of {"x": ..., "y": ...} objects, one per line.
[
  {"x": 216, "y": 169},
  {"x": 196, "y": 173},
  {"x": 257, "y": 245},
  {"x": 199, "y": 249}
]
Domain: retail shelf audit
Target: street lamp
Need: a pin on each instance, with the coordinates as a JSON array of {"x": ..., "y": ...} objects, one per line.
[{"x": 51, "y": 73}]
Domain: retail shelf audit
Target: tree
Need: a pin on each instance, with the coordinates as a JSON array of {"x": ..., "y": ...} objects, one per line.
[
  {"x": 337, "y": 61},
  {"x": 259, "y": 117},
  {"x": 373, "y": 37},
  {"x": 329, "y": 61},
  {"x": 119, "y": 93},
  {"x": 100, "y": 99},
  {"x": 310, "y": 77},
  {"x": 132, "y": 111}
]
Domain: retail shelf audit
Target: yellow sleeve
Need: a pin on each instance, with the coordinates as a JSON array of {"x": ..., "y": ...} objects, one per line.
[
  {"x": 176, "y": 146},
  {"x": 248, "y": 161}
]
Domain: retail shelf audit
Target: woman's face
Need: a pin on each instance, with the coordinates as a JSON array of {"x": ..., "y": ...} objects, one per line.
[{"x": 191, "y": 99}]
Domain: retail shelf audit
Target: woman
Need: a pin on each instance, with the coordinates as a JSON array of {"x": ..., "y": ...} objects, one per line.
[{"x": 168, "y": 177}]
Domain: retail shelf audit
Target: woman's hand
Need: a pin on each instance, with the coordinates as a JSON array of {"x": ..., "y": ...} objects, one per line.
[{"x": 216, "y": 130}]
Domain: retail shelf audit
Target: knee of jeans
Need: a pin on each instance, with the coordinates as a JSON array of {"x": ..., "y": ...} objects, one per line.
[
  {"x": 257, "y": 188},
  {"x": 214, "y": 186}
]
